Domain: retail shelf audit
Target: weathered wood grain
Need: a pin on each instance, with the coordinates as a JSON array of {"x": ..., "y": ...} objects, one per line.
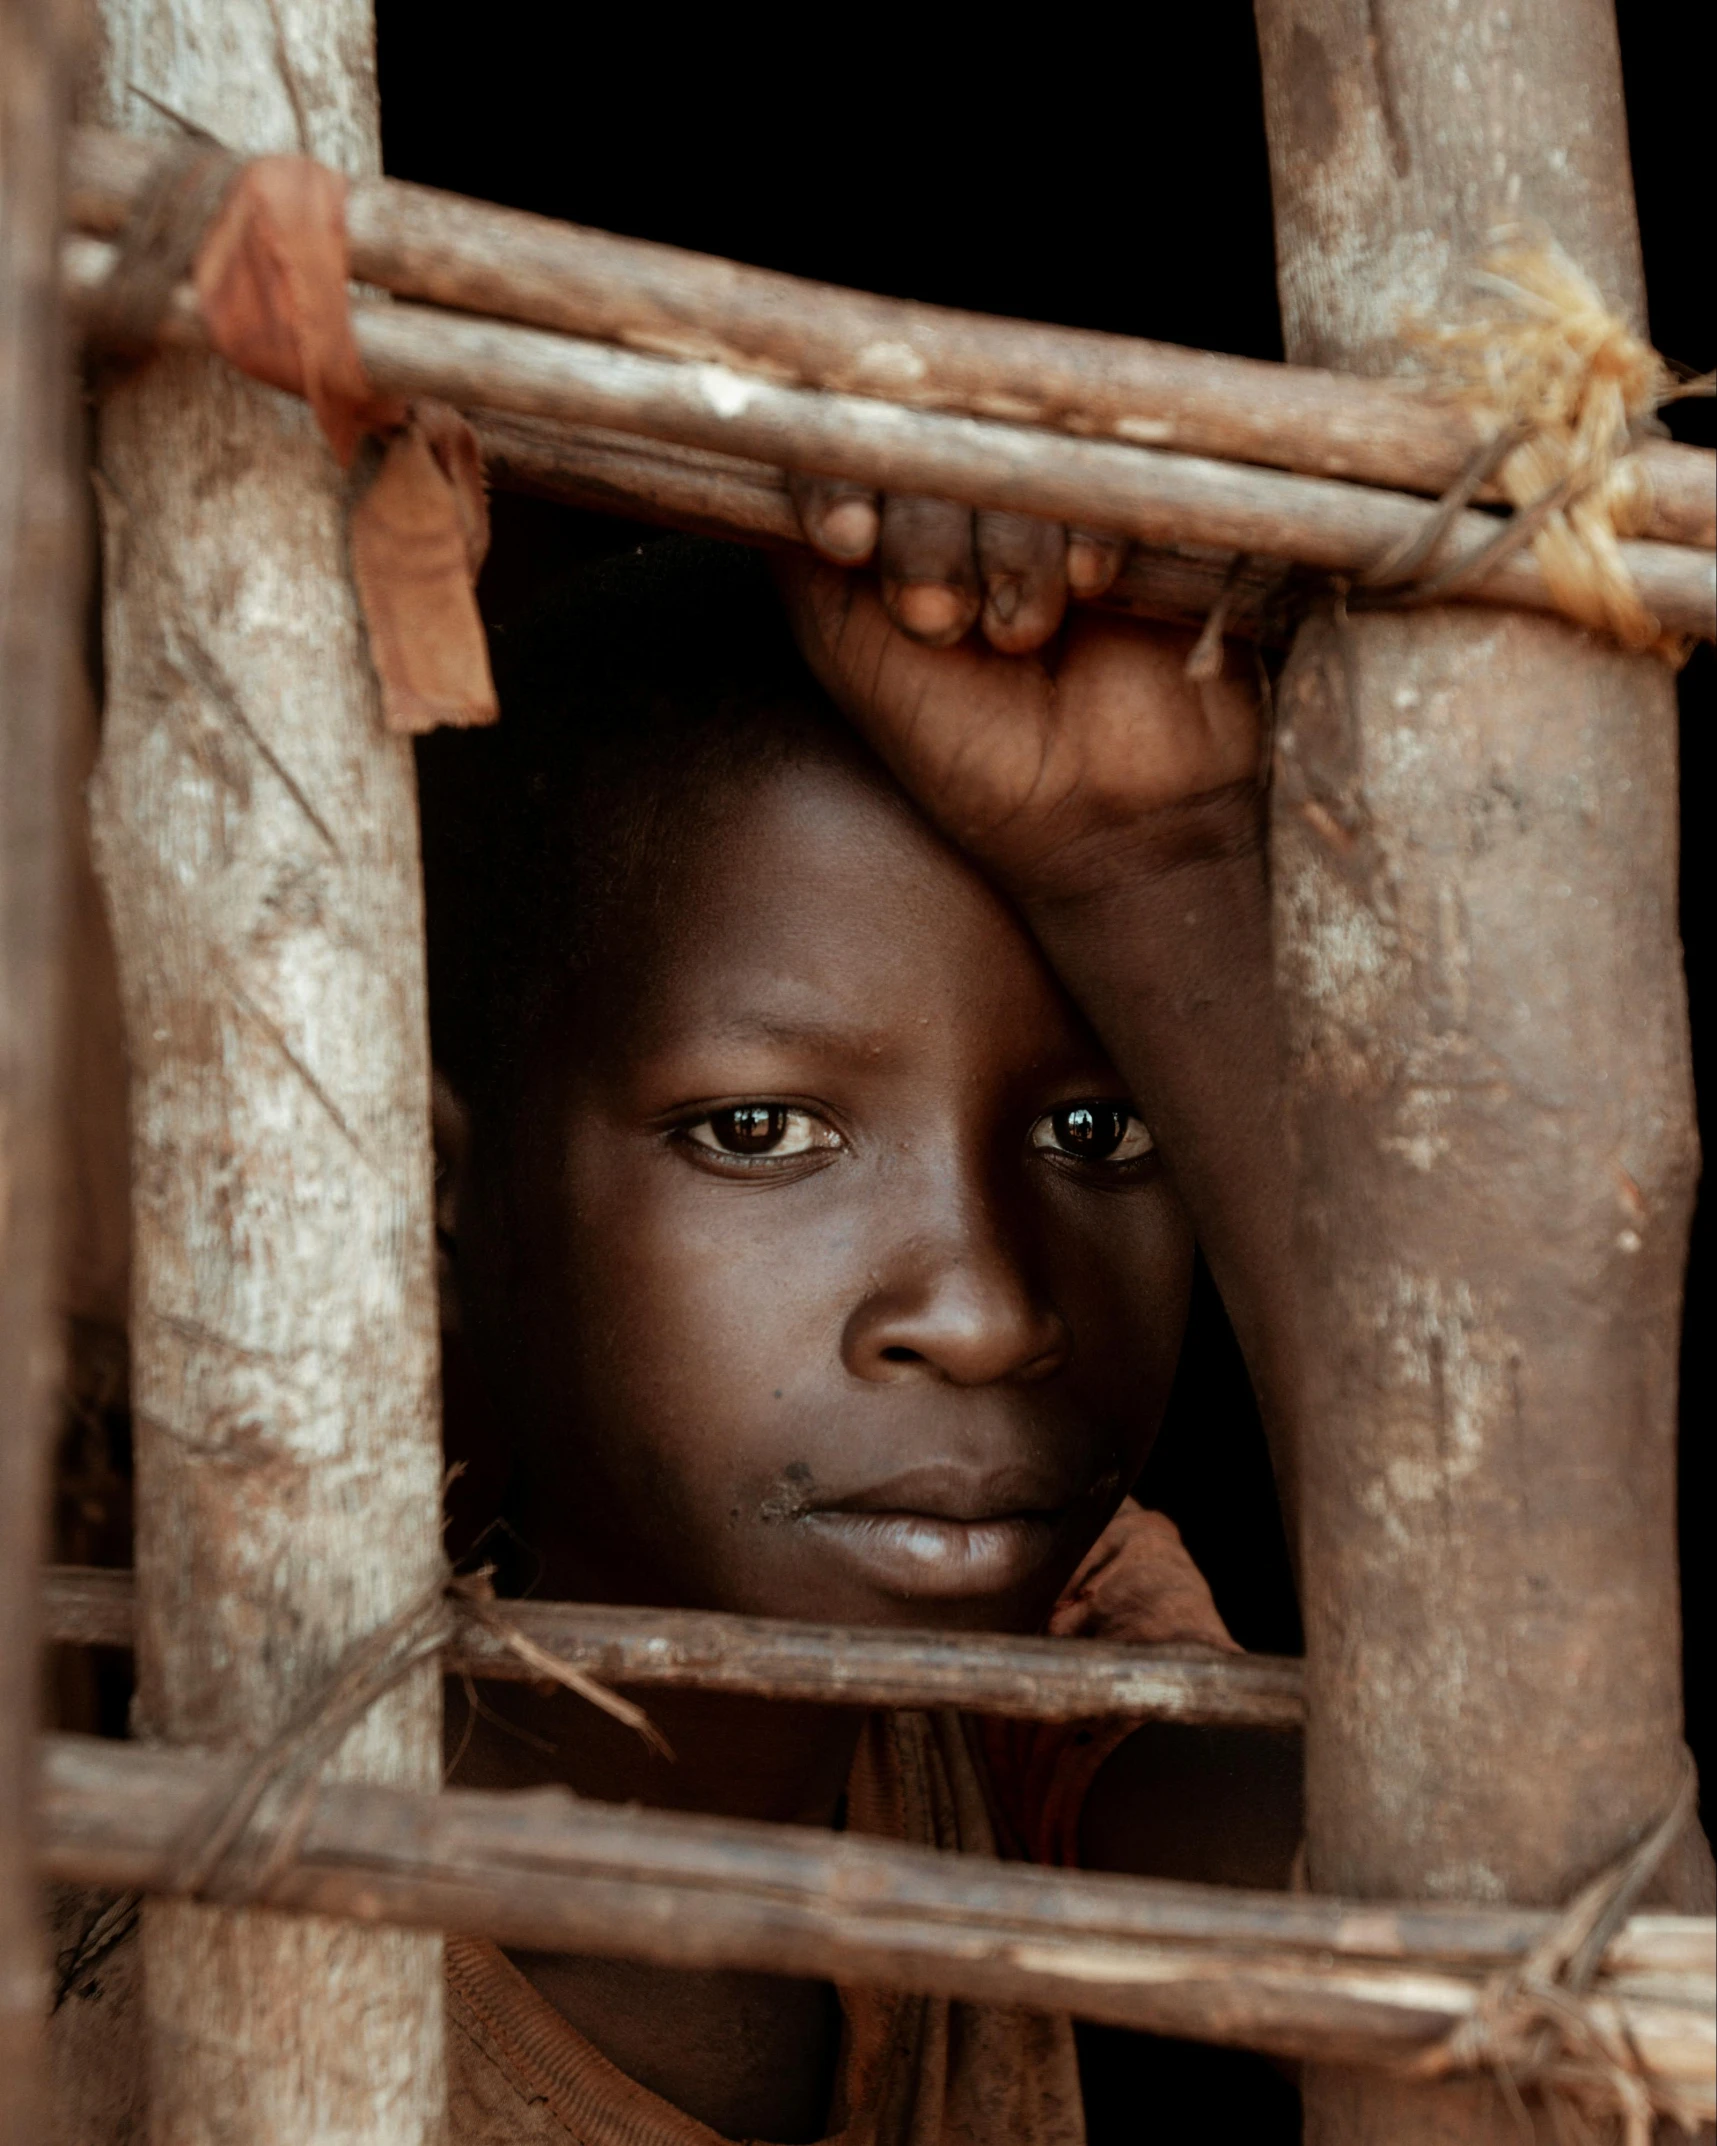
[
  {"x": 256, "y": 835},
  {"x": 1475, "y": 889}
]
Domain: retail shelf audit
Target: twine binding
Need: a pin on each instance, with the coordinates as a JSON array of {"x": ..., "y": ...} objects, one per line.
[
  {"x": 1538, "y": 2027},
  {"x": 245, "y": 1837},
  {"x": 1571, "y": 390}
]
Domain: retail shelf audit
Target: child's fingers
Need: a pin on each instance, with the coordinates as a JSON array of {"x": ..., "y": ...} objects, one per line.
[
  {"x": 839, "y": 519},
  {"x": 1093, "y": 562},
  {"x": 929, "y": 569},
  {"x": 1023, "y": 564}
]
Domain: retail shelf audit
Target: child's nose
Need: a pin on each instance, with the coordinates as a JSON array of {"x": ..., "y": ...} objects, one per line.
[{"x": 958, "y": 1307}]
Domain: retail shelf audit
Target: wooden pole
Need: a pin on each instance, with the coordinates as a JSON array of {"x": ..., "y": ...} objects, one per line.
[
  {"x": 1475, "y": 886},
  {"x": 478, "y": 258},
  {"x": 38, "y": 593},
  {"x": 546, "y": 1872},
  {"x": 1142, "y": 493},
  {"x": 257, "y": 840}
]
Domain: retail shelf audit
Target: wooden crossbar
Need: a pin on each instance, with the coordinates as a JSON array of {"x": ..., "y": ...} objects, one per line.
[
  {"x": 1357, "y": 1982},
  {"x": 1142, "y": 493},
  {"x": 979, "y": 1672},
  {"x": 421, "y": 243}
]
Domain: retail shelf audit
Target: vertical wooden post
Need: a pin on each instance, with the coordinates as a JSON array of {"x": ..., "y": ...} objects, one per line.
[
  {"x": 38, "y": 584},
  {"x": 257, "y": 838},
  {"x": 1475, "y": 875}
]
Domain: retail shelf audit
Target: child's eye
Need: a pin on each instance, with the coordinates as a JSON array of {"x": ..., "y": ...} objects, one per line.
[
  {"x": 758, "y": 1132},
  {"x": 1093, "y": 1132}
]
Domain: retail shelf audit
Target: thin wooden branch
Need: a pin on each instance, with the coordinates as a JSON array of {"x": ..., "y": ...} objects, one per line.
[
  {"x": 1292, "y": 1975},
  {"x": 478, "y": 258},
  {"x": 1137, "y": 492},
  {"x": 980, "y": 1672}
]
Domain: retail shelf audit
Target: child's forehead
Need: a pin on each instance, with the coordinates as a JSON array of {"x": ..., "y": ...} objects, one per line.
[{"x": 811, "y": 907}]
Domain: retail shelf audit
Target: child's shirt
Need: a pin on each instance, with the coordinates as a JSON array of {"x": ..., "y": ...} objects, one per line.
[{"x": 915, "y": 2071}]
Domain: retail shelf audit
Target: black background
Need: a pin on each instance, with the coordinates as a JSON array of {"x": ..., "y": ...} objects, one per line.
[{"x": 1102, "y": 171}]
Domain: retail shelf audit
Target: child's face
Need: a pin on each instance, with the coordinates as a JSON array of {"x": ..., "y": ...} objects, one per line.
[{"x": 809, "y": 1309}]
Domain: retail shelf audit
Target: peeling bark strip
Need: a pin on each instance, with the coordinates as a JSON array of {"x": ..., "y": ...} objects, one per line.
[
  {"x": 39, "y": 570},
  {"x": 541, "y": 1870},
  {"x": 1475, "y": 884},
  {"x": 477, "y": 258},
  {"x": 257, "y": 839}
]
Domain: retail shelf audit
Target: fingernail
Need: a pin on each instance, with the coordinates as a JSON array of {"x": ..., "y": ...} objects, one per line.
[
  {"x": 849, "y": 529},
  {"x": 1004, "y": 596},
  {"x": 1090, "y": 567},
  {"x": 931, "y": 610}
]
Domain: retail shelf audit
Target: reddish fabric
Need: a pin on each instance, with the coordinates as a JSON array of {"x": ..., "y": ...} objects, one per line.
[
  {"x": 419, "y": 533},
  {"x": 1138, "y": 1587},
  {"x": 271, "y": 275},
  {"x": 271, "y": 278}
]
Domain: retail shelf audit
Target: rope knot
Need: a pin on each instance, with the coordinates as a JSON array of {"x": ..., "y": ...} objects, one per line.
[{"x": 1570, "y": 388}]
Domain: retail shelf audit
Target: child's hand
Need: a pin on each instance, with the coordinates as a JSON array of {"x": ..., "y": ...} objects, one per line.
[
  {"x": 1060, "y": 772},
  {"x": 945, "y": 567}
]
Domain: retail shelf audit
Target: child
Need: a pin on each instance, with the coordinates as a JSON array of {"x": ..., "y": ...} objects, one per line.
[
  {"x": 808, "y": 1095},
  {"x": 812, "y": 1245}
]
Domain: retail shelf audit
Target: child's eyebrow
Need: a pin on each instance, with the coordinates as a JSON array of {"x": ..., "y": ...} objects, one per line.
[{"x": 806, "y": 1032}]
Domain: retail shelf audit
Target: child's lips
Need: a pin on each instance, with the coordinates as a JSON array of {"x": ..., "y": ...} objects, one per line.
[{"x": 931, "y": 1555}]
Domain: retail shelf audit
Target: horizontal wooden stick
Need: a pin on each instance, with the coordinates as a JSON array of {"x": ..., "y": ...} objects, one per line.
[
  {"x": 1136, "y": 492},
  {"x": 478, "y": 258},
  {"x": 1301, "y": 1977},
  {"x": 712, "y": 494},
  {"x": 979, "y": 1672}
]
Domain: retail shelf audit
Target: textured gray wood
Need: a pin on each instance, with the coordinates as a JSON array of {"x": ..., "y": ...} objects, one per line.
[
  {"x": 1475, "y": 880},
  {"x": 39, "y": 570},
  {"x": 256, "y": 836}
]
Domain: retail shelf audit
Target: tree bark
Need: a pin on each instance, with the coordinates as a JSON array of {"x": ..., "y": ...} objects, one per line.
[
  {"x": 38, "y": 583},
  {"x": 1475, "y": 885},
  {"x": 257, "y": 839}
]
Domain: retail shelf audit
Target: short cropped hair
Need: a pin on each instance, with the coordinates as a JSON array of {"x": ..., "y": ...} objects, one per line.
[{"x": 636, "y": 689}]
